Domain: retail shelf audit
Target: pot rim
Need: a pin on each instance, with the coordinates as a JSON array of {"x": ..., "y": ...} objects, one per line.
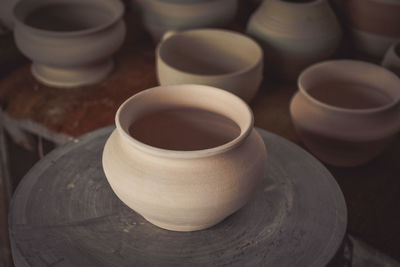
[
  {"x": 311, "y": 68},
  {"x": 246, "y": 126},
  {"x": 248, "y": 68},
  {"x": 117, "y": 5}
]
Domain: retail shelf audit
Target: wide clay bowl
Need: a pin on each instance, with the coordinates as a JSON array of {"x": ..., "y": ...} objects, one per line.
[
  {"x": 215, "y": 57},
  {"x": 184, "y": 189},
  {"x": 346, "y": 111},
  {"x": 70, "y": 42}
]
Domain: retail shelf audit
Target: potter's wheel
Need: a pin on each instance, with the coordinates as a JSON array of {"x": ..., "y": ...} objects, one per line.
[{"x": 65, "y": 213}]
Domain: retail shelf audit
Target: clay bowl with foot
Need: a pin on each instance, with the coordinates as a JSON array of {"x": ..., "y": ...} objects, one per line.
[{"x": 70, "y": 42}]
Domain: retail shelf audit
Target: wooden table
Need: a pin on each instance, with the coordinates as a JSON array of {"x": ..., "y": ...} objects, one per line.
[{"x": 372, "y": 192}]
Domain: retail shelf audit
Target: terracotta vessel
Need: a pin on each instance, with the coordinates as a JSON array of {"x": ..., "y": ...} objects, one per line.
[
  {"x": 294, "y": 34},
  {"x": 159, "y": 16},
  {"x": 219, "y": 58},
  {"x": 391, "y": 60},
  {"x": 184, "y": 190},
  {"x": 69, "y": 41},
  {"x": 375, "y": 24},
  {"x": 346, "y": 112}
]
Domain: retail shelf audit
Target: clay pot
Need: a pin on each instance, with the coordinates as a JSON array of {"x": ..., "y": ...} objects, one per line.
[
  {"x": 69, "y": 41},
  {"x": 219, "y": 58},
  {"x": 391, "y": 60},
  {"x": 294, "y": 35},
  {"x": 184, "y": 190},
  {"x": 346, "y": 112},
  {"x": 160, "y": 16},
  {"x": 375, "y": 24}
]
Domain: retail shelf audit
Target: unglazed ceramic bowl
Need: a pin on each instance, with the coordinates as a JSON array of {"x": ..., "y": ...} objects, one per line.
[
  {"x": 294, "y": 34},
  {"x": 219, "y": 58},
  {"x": 184, "y": 190},
  {"x": 181, "y": 15},
  {"x": 70, "y": 42},
  {"x": 346, "y": 111}
]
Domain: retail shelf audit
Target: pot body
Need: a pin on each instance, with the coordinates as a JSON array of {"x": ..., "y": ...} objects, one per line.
[
  {"x": 340, "y": 136},
  {"x": 391, "y": 60},
  {"x": 183, "y": 190},
  {"x": 70, "y": 58},
  {"x": 375, "y": 24},
  {"x": 294, "y": 35},
  {"x": 160, "y": 16},
  {"x": 223, "y": 59}
]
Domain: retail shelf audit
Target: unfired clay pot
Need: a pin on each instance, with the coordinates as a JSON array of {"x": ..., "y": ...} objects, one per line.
[
  {"x": 294, "y": 34},
  {"x": 391, "y": 60},
  {"x": 375, "y": 24},
  {"x": 346, "y": 112},
  {"x": 219, "y": 58},
  {"x": 184, "y": 190},
  {"x": 159, "y": 16},
  {"x": 69, "y": 41}
]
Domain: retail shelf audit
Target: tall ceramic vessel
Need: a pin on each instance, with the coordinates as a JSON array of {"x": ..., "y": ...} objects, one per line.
[
  {"x": 374, "y": 24},
  {"x": 160, "y": 16},
  {"x": 184, "y": 190},
  {"x": 294, "y": 34},
  {"x": 70, "y": 42},
  {"x": 362, "y": 123}
]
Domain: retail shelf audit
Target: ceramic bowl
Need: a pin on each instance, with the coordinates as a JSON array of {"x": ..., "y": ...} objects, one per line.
[
  {"x": 70, "y": 42},
  {"x": 184, "y": 190},
  {"x": 346, "y": 112},
  {"x": 180, "y": 15},
  {"x": 220, "y": 58},
  {"x": 391, "y": 60}
]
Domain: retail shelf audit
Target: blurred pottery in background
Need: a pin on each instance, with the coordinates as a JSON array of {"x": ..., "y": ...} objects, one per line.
[
  {"x": 159, "y": 16},
  {"x": 391, "y": 60},
  {"x": 219, "y": 58},
  {"x": 70, "y": 42},
  {"x": 346, "y": 112},
  {"x": 6, "y": 13},
  {"x": 374, "y": 24},
  {"x": 173, "y": 177},
  {"x": 295, "y": 34}
]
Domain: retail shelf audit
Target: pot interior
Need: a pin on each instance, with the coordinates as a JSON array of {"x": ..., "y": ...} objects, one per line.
[
  {"x": 184, "y": 129},
  {"x": 184, "y": 118},
  {"x": 210, "y": 52},
  {"x": 350, "y": 85},
  {"x": 67, "y": 16}
]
